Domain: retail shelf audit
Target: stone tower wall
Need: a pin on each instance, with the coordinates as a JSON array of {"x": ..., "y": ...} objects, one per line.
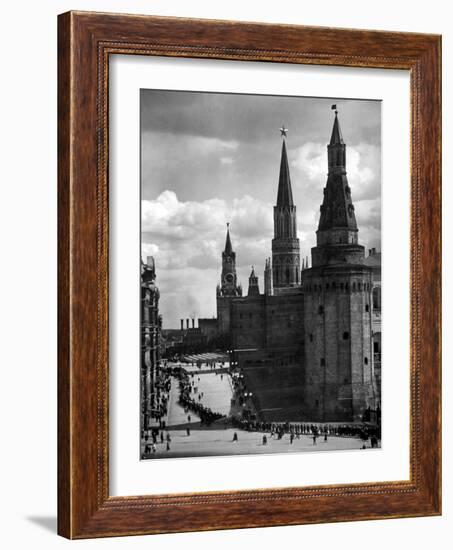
[{"x": 338, "y": 344}]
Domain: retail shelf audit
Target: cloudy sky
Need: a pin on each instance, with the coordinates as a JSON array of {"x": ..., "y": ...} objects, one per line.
[{"x": 208, "y": 159}]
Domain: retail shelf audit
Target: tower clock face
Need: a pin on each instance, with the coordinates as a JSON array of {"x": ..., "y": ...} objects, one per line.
[{"x": 229, "y": 278}]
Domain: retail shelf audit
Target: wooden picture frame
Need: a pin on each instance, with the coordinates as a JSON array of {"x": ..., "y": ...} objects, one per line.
[{"x": 85, "y": 42}]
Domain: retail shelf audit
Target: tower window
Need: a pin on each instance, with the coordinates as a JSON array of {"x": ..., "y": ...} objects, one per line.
[
  {"x": 377, "y": 298},
  {"x": 321, "y": 310},
  {"x": 345, "y": 335},
  {"x": 366, "y": 360},
  {"x": 323, "y": 362},
  {"x": 367, "y": 308}
]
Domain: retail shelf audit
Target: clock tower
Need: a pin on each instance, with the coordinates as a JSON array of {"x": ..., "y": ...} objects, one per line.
[
  {"x": 228, "y": 289},
  {"x": 228, "y": 283}
]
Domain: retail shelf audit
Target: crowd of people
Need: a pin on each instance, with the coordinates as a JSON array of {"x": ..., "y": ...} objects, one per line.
[
  {"x": 153, "y": 438},
  {"x": 190, "y": 398},
  {"x": 186, "y": 391},
  {"x": 160, "y": 397},
  {"x": 295, "y": 430}
]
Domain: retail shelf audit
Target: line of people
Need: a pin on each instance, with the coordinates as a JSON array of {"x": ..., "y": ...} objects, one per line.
[
  {"x": 207, "y": 416},
  {"x": 295, "y": 430}
]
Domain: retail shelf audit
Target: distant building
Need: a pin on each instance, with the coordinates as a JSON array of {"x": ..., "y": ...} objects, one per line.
[{"x": 151, "y": 324}]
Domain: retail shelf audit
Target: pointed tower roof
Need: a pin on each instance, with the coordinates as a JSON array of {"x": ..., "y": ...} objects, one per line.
[
  {"x": 337, "y": 137},
  {"x": 285, "y": 194},
  {"x": 253, "y": 284},
  {"x": 228, "y": 246},
  {"x": 337, "y": 210}
]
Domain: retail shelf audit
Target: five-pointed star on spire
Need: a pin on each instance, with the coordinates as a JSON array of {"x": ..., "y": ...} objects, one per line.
[{"x": 283, "y": 130}]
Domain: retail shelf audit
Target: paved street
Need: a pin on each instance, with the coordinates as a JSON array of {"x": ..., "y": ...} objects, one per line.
[
  {"x": 216, "y": 389},
  {"x": 209, "y": 442}
]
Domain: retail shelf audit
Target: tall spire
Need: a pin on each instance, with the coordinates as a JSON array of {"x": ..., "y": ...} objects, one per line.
[
  {"x": 285, "y": 244},
  {"x": 337, "y": 137},
  {"x": 337, "y": 210},
  {"x": 337, "y": 222},
  {"x": 228, "y": 246},
  {"x": 285, "y": 194}
]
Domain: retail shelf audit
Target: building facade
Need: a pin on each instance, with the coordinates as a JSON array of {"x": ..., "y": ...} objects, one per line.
[{"x": 151, "y": 326}]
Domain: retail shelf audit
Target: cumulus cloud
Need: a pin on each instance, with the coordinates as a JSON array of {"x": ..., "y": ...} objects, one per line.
[
  {"x": 226, "y": 160},
  {"x": 363, "y": 168},
  {"x": 186, "y": 239},
  {"x": 209, "y": 159}
]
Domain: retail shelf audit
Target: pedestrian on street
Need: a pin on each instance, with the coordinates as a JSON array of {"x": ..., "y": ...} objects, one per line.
[
  {"x": 235, "y": 436},
  {"x": 188, "y": 418},
  {"x": 162, "y": 436},
  {"x": 314, "y": 439},
  {"x": 291, "y": 438},
  {"x": 153, "y": 447},
  {"x": 264, "y": 440},
  {"x": 188, "y": 431},
  {"x": 168, "y": 446}
]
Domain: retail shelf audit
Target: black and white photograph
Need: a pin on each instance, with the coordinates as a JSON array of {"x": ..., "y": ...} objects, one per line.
[{"x": 260, "y": 274}]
